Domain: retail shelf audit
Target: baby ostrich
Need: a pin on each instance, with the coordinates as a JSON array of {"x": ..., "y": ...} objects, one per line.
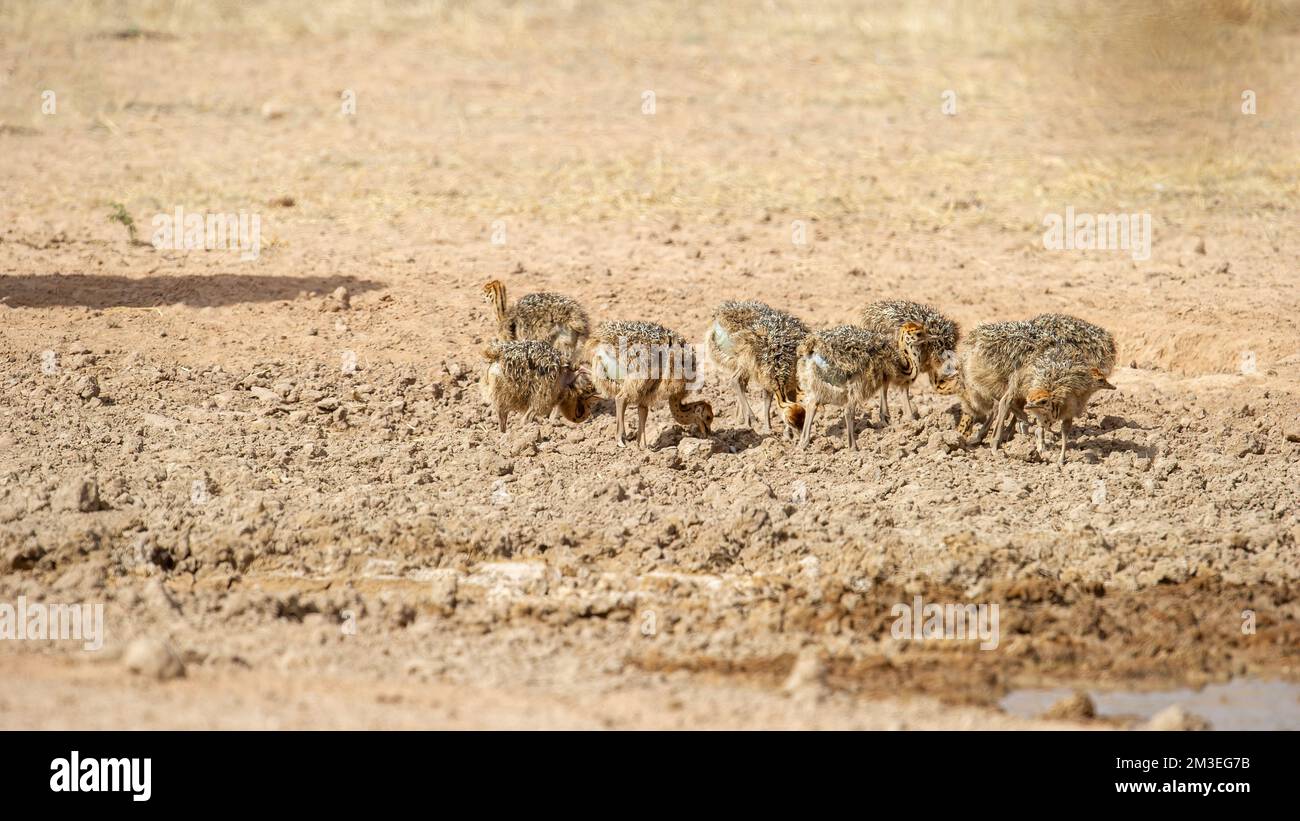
[
  {"x": 768, "y": 352},
  {"x": 533, "y": 377},
  {"x": 553, "y": 318},
  {"x": 720, "y": 347},
  {"x": 942, "y": 335},
  {"x": 640, "y": 363},
  {"x": 1092, "y": 344},
  {"x": 1055, "y": 384},
  {"x": 992, "y": 353},
  {"x": 995, "y": 351},
  {"x": 846, "y": 365}
]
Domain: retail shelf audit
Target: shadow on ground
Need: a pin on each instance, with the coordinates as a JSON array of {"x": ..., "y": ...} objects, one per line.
[{"x": 96, "y": 291}]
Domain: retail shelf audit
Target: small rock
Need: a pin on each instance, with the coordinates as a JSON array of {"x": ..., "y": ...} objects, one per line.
[
  {"x": 494, "y": 465},
  {"x": 338, "y": 300},
  {"x": 1174, "y": 717},
  {"x": 1075, "y": 707},
  {"x": 154, "y": 659},
  {"x": 613, "y": 490},
  {"x": 1251, "y": 445},
  {"x": 690, "y": 448},
  {"x": 327, "y": 405},
  {"x": 808, "y": 676},
  {"x": 157, "y": 596},
  {"x": 667, "y": 458},
  {"x": 265, "y": 394},
  {"x": 1164, "y": 466},
  {"x": 444, "y": 586},
  {"x": 79, "y": 495},
  {"x": 1013, "y": 488},
  {"x": 87, "y": 387},
  {"x": 273, "y": 110},
  {"x": 153, "y": 420},
  {"x": 524, "y": 443},
  {"x": 799, "y": 492}
]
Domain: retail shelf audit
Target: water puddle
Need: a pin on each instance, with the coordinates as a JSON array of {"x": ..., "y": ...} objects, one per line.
[{"x": 1241, "y": 704}]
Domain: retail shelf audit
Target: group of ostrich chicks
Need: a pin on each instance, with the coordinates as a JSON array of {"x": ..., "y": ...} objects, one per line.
[{"x": 548, "y": 360}]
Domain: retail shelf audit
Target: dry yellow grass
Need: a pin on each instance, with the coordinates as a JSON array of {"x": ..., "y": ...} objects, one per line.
[{"x": 535, "y": 108}]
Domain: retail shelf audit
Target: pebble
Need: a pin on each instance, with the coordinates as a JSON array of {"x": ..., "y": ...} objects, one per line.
[
  {"x": 1013, "y": 488},
  {"x": 523, "y": 443},
  {"x": 1075, "y": 707},
  {"x": 808, "y": 676},
  {"x": 1174, "y": 717},
  {"x": 87, "y": 387},
  {"x": 157, "y": 595},
  {"x": 695, "y": 449},
  {"x": 443, "y": 587},
  {"x": 79, "y": 495},
  {"x": 338, "y": 300},
  {"x": 154, "y": 659},
  {"x": 153, "y": 420}
]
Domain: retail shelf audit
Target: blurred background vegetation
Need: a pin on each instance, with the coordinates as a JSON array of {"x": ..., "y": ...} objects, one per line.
[{"x": 831, "y": 109}]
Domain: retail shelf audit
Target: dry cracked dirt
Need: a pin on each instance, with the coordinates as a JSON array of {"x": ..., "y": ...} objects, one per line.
[{"x": 279, "y": 479}]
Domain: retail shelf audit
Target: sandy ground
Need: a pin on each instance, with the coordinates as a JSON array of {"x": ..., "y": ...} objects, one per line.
[{"x": 324, "y": 548}]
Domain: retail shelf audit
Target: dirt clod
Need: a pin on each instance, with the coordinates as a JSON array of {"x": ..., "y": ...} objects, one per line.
[
  {"x": 153, "y": 658},
  {"x": 1175, "y": 717},
  {"x": 1077, "y": 706},
  {"x": 76, "y": 495}
]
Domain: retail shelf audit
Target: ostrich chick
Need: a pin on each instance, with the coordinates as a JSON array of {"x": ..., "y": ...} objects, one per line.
[
  {"x": 533, "y": 377},
  {"x": 846, "y": 364},
  {"x": 1055, "y": 385},
  {"x": 640, "y": 363},
  {"x": 720, "y": 347},
  {"x": 990, "y": 356},
  {"x": 942, "y": 335},
  {"x": 768, "y": 353},
  {"x": 553, "y": 318}
]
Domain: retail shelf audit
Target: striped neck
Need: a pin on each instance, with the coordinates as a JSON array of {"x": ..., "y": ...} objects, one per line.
[
  {"x": 497, "y": 292},
  {"x": 907, "y": 349}
]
